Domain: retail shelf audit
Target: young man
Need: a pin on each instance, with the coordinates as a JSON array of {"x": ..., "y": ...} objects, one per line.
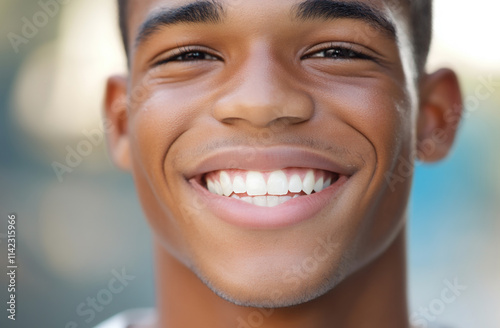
[{"x": 272, "y": 146}]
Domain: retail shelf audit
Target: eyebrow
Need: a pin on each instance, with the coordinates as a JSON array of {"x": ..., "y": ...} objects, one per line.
[
  {"x": 333, "y": 9},
  {"x": 197, "y": 12},
  {"x": 212, "y": 11}
]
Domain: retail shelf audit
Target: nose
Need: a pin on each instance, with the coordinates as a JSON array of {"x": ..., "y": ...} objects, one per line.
[{"x": 261, "y": 94}]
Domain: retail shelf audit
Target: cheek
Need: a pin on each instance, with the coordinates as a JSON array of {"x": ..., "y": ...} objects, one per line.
[
  {"x": 155, "y": 125},
  {"x": 388, "y": 126},
  {"x": 380, "y": 110},
  {"x": 381, "y": 113},
  {"x": 158, "y": 122}
]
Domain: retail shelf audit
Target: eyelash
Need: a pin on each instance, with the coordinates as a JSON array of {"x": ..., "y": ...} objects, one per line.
[
  {"x": 183, "y": 51},
  {"x": 340, "y": 52},
  {"x": 343, "y": 52}
]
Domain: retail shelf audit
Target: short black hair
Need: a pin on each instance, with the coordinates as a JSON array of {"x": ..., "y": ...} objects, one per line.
[
  {"x": 420, "y": 20},
  {"x": 421, "y": 25},
  {"x": 122, "y": 19}
]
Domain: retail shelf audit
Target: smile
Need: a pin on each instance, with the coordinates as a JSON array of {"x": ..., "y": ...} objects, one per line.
[{"x": 271, "y": 188}]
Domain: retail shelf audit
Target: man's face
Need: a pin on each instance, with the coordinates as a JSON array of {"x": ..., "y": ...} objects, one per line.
[{"x": 303, "y": 110}]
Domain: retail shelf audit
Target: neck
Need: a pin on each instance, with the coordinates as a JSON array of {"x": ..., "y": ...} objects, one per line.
[{"x": 374, "y": 297}]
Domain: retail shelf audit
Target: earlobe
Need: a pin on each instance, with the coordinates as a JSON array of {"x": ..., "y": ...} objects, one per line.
[
  {"x": 439, "y": 116},
  {"x": 116, "y": 115}
]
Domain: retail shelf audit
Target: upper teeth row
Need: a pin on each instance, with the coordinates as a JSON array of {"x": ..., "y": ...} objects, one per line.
[{"x": 277, "y": 184}]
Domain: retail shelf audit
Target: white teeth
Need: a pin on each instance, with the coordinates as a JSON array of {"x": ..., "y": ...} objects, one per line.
[
  {"x": 247, "y": 199},
  {"x": 260, "y": 201},
  {"x": 211, "y": 186},
  {"x": 277, "y": 184},
  {"x": 309, "y": 182},
  {"x": 268, "y": 194},
  {"x": 239, "y": 185},
  {"x": 264, "y": 201},
  {"x": 283, "y": 199},
  {"x": 225, "y": 181},
  {"x": 256, "y": 185},
  {"x": 218, "y": 188},
  {"x": 295, "y": 184},
  {"x": 318, "y": 186},
  {"x": 327, "y": 183},
  {"x": 273, "y": 201}
]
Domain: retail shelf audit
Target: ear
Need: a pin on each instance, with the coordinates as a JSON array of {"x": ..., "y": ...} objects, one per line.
[
  {"x": 115, "y": 110},
  {"x": 439, "y": 116}
]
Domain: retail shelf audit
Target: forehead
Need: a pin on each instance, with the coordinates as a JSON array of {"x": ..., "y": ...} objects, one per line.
[
  {"x": 140, "y": 10},
  {"x": 143, "y": 6}
]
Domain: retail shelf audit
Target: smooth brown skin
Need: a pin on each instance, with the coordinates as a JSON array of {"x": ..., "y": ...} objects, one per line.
[{"x": 261, "y": 93}]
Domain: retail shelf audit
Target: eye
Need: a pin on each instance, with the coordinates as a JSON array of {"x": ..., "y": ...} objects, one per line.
[
  {"x": 339, "y": 53},
  {"x": 193, "y": 55},
  {"x": 186, "y": 54}
]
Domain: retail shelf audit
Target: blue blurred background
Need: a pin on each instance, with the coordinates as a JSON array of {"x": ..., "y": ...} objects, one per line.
[{"x": 75, "y": 235}]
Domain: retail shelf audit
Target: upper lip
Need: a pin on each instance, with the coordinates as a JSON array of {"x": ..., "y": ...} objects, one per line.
[{"x": 267, "y": 159}]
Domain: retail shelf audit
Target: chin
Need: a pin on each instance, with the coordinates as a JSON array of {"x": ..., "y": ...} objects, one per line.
[{"x": 274, "y": 289}]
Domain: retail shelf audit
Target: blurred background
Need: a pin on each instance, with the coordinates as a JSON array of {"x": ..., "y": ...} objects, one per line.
[{"x": 79, "y": 230}]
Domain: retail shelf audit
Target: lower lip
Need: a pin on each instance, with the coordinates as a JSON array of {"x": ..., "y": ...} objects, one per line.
[{"x": 249, "y": 216}]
